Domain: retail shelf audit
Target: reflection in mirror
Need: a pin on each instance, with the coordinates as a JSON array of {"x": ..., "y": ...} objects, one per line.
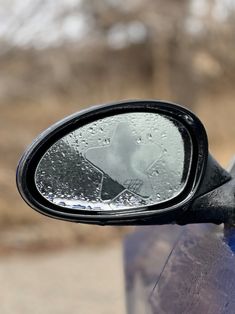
[{"x": 120, "y": 162}]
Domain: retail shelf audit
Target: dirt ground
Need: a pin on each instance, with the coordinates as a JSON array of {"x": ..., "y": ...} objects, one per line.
[{"x": 80, "y": 280}]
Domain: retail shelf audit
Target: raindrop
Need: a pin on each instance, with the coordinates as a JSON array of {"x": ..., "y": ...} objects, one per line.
[
  {"x": 139, "y": 140},
  {"x": 106, "y": 141},
  {"x": 163, "y": 135},
  {"x": 156, "y": 172},
  {"x": 91, "y": 129}
]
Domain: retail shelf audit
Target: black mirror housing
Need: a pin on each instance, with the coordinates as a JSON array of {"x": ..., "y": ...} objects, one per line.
[{"x": 203, "y": 172}]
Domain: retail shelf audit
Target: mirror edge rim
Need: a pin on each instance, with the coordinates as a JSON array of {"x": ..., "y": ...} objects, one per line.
[{"x": 55, "y": 132}]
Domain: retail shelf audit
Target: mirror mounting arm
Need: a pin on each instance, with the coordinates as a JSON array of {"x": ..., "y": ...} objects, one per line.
[{"x": 217, "y": 206}]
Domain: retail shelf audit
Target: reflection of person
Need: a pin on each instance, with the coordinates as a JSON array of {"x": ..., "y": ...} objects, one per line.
[{"x": 125, "y": 160}]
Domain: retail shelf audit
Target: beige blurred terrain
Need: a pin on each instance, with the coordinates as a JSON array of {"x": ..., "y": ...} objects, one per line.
[
  {"x": 56, "y": 59},
  {"x": 70, "y": 281}
]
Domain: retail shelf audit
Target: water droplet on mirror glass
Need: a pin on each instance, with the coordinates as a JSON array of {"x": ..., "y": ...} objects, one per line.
[
  {"x": 139, "y": 140},
  {"x": 106, "y": 141},
  {"x": 163, "y": 135},
  {"x": 91, "y": 129}
]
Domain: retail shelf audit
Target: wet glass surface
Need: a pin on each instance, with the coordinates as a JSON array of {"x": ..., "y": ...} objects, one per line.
[{"x": 119, "y": 162}]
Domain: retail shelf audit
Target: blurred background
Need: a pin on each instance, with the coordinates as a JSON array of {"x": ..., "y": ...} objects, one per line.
[{"x": 58, "y": 57}]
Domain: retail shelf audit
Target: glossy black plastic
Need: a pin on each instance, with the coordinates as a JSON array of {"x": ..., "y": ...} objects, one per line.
[{"x": 166, "y": 212}]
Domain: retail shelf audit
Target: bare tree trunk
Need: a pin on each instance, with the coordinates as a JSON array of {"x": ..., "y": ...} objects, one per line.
[{"x": 160, "y": 70}]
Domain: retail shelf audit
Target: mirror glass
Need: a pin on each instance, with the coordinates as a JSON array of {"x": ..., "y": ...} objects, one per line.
[{"x": 116, "y": 163}]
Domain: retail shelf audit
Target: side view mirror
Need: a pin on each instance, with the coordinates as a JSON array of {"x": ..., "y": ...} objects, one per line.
[{"x": 129, "y": 163}]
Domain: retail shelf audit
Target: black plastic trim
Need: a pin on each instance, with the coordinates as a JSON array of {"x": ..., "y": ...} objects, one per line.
[{"x": 29, "y": 162}]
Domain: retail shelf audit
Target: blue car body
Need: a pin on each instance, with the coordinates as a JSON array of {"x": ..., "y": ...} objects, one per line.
[
  {"x": 180, "y": 269},
  {"x": 173, "y": 269}
]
